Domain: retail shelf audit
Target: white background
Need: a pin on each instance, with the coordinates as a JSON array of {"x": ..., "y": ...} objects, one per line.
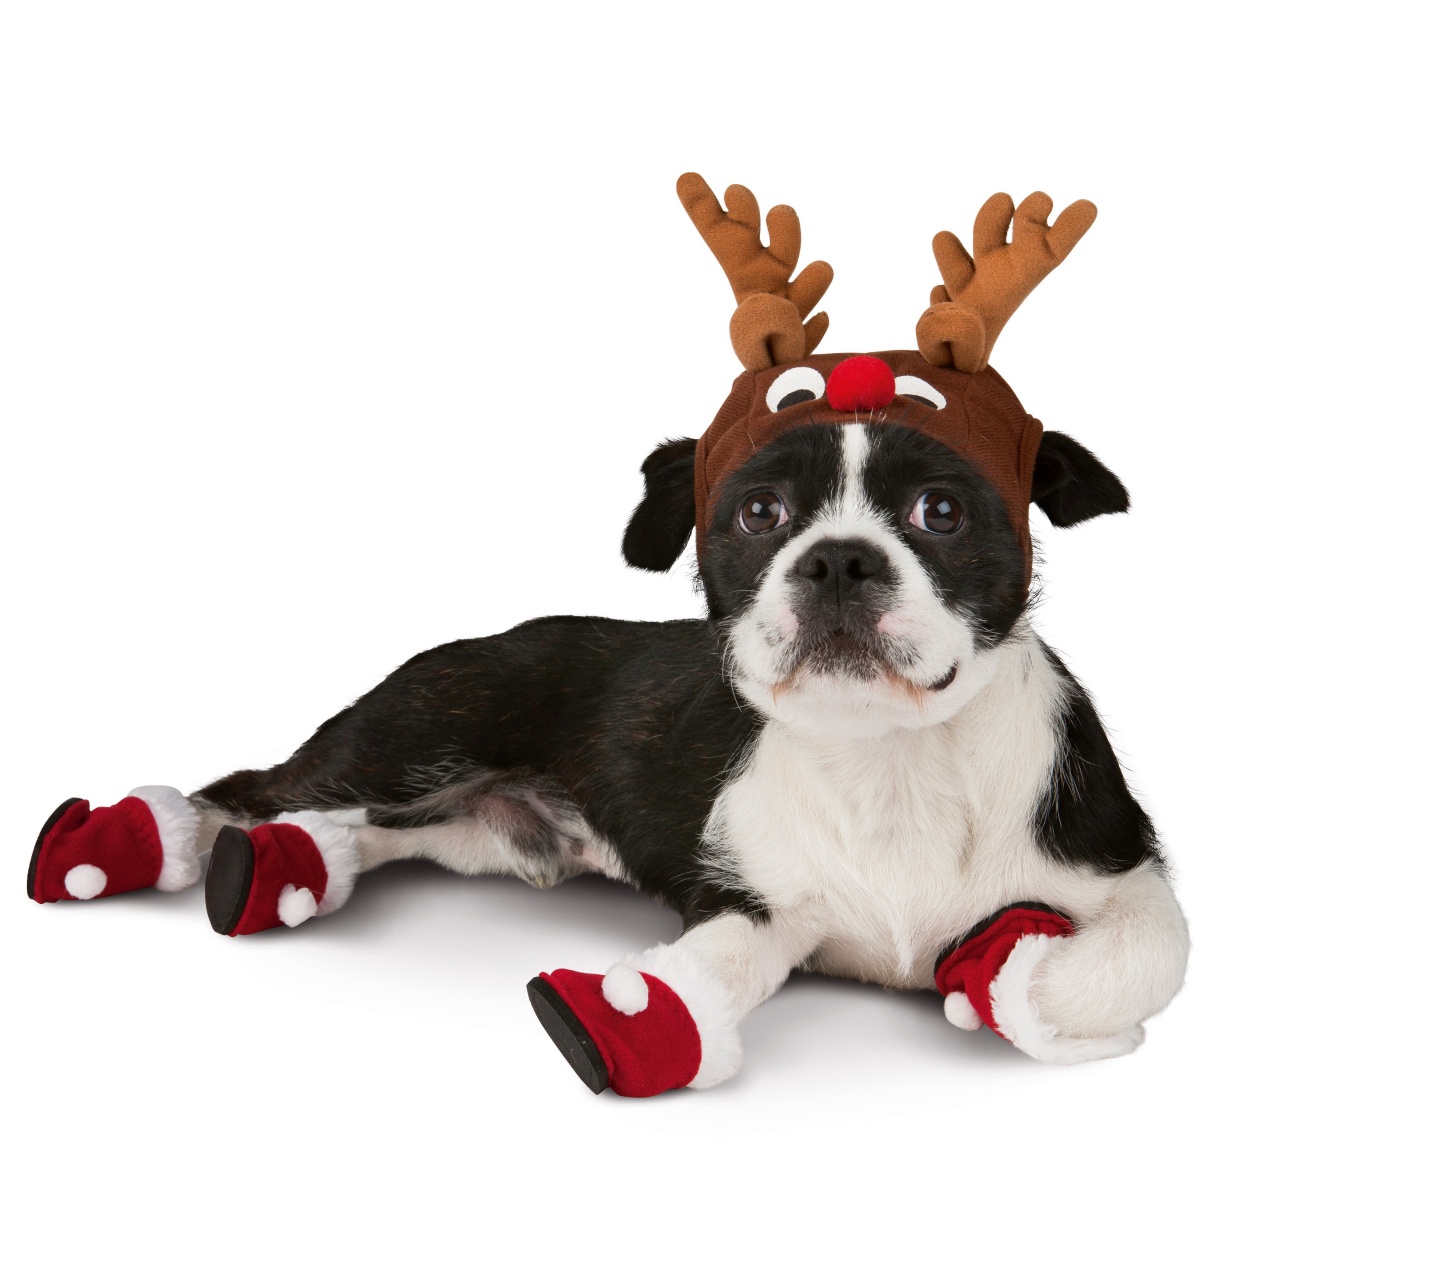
[{"x": 332, "y": 332}]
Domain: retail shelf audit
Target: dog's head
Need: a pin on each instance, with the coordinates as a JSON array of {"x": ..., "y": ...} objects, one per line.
[
  {"x": 862, "y": 565},
  {"x": 862, "y": 521}
]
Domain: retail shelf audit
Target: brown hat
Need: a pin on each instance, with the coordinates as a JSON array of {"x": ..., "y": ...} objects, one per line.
[{"x": 977, "y": 415}]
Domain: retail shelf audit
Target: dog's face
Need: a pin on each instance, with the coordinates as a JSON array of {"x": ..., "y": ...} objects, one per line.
[{"x": 863, "y": 570}]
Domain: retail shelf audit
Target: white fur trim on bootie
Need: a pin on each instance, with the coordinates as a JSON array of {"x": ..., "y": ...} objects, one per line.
[
  {"x": 709, "y": 1005},
  {"x": 179, "y": 827},
  {"x": 340, "y": 851},
  {"x": 1020, "y": 1022}
]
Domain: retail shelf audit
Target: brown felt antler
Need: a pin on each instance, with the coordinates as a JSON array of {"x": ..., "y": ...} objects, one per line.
[
  {"x": 769, "y": 325},
  {"x": 980, "y": 294}
]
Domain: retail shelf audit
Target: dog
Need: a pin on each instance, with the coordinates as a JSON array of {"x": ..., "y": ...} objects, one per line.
[{"x": 863, "y": 762}]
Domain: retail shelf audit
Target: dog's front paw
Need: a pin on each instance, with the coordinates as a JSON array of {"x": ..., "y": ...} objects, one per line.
[
  {"x": 1017, "y": 1016},
  {"x": 990, "y": 979},
  {"x": 654, "y": 1022}
]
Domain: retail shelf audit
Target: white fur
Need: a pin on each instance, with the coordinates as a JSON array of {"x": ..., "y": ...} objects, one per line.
[
  {"x": 1020, "y": 1021},
  {"x": 893, "y": 846},
  {"x": 1125, "y": 965},
  {"x": 474, "y": 847},
  {"x": 85, "y": 881},
  {"x": 296, "y": 905},
  {"x": 179, "y": 825},
  {"x": 625, "y": 989},
  {"x": 347, "y": 817},
  {"x": 338, "y": 848},
  {"x": 959, "y": 1012}
]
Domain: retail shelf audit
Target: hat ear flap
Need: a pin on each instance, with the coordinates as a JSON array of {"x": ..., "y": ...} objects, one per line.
[
  {"x": 1071, "y": 484},
  {"x": 660, "y": 527}
]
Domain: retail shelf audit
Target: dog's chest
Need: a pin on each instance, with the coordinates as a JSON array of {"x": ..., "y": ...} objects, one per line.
[{"x": 892, "y": 847}]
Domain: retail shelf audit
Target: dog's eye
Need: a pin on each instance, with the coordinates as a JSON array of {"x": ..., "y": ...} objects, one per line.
[
  {"x": 936, "y": 513},
  {"x": 917, "y": 389},
  {"x": 762, "y": 513},
  {"x": 794, "y": 386}
]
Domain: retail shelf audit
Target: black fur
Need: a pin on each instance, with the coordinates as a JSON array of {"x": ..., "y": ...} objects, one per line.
[
  {"x": 660, "y": 525},
  {"x": 804, "y": 467},
  {"x": 1087, "y": 816},
  {"x": 980, "y": 567},
  {"x": 630, "y": 723},
  {"x": 1071, "y": 484}
]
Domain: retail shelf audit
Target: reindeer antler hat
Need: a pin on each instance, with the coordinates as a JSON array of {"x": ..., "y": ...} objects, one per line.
[{"x": 945, "y": 389}]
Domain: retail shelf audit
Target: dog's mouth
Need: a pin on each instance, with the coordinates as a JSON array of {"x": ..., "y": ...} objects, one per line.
[
  {"x": 842, "y": 652},
  {"x": 945, "y": 681}
]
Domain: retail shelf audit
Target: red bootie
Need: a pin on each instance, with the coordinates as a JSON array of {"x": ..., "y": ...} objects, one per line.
[
  {"x": 633, "y": 1032},
  {"x": 283, "y": 872},
  {"x": 966, "y": 973},
  {"x": 986, "y": 979},
  {"x": 147, "y": 840}
]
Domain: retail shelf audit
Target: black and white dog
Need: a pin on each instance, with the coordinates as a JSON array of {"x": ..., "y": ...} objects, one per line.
[
  {"x": 862, "y": 753},
  {"x": 859, "y": 763}
]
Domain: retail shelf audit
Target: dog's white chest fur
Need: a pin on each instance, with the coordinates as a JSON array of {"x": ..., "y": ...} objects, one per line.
[{"x": 893, "y": 846}]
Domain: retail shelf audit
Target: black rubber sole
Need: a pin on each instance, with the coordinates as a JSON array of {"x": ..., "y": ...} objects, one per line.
[
  {"x": 573, "y": 1041},
  {"x": 40, "y": 839},
  {"x": 227, "y": 882}
]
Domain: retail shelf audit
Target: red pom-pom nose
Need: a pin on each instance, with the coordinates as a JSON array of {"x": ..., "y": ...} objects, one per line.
[{"x": 861, "y": 382}]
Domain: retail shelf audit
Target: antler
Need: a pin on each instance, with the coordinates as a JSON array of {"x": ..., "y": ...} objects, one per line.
[
  {"x": 769, "y": 325},
  {"x": 981, "y": 293}
]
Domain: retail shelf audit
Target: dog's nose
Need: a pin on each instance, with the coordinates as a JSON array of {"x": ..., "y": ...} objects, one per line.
[{"x": 841, "y": 568}]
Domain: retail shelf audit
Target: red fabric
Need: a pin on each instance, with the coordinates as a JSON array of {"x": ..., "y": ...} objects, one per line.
[
  {"x": 121, "y": 839},
  {"x": 646, "y": 1053},
  {"x": 972, "y": 966},
  {"x": 284, "y": 854},
  {"x": 861, "y": 383}
]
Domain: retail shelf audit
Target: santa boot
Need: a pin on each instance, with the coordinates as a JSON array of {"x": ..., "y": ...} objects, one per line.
[
  {"x": 986, "y": 979},
  {"x": 145, "y": 841},
  {"x": 283, "y": 872},
  {"x": 638, "y": 1033}
]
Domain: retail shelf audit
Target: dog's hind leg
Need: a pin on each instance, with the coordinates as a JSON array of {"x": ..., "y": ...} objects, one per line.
[
  {"x": 403, "y": 755},
  {"x": 473, "y": 846},
  {"x": 301, "y": 864}
]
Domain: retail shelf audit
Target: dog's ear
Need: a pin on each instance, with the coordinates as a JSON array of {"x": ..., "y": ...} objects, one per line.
[
  {"x": 1071, "y": 484},
  {"x": 661, "y": 525}
]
